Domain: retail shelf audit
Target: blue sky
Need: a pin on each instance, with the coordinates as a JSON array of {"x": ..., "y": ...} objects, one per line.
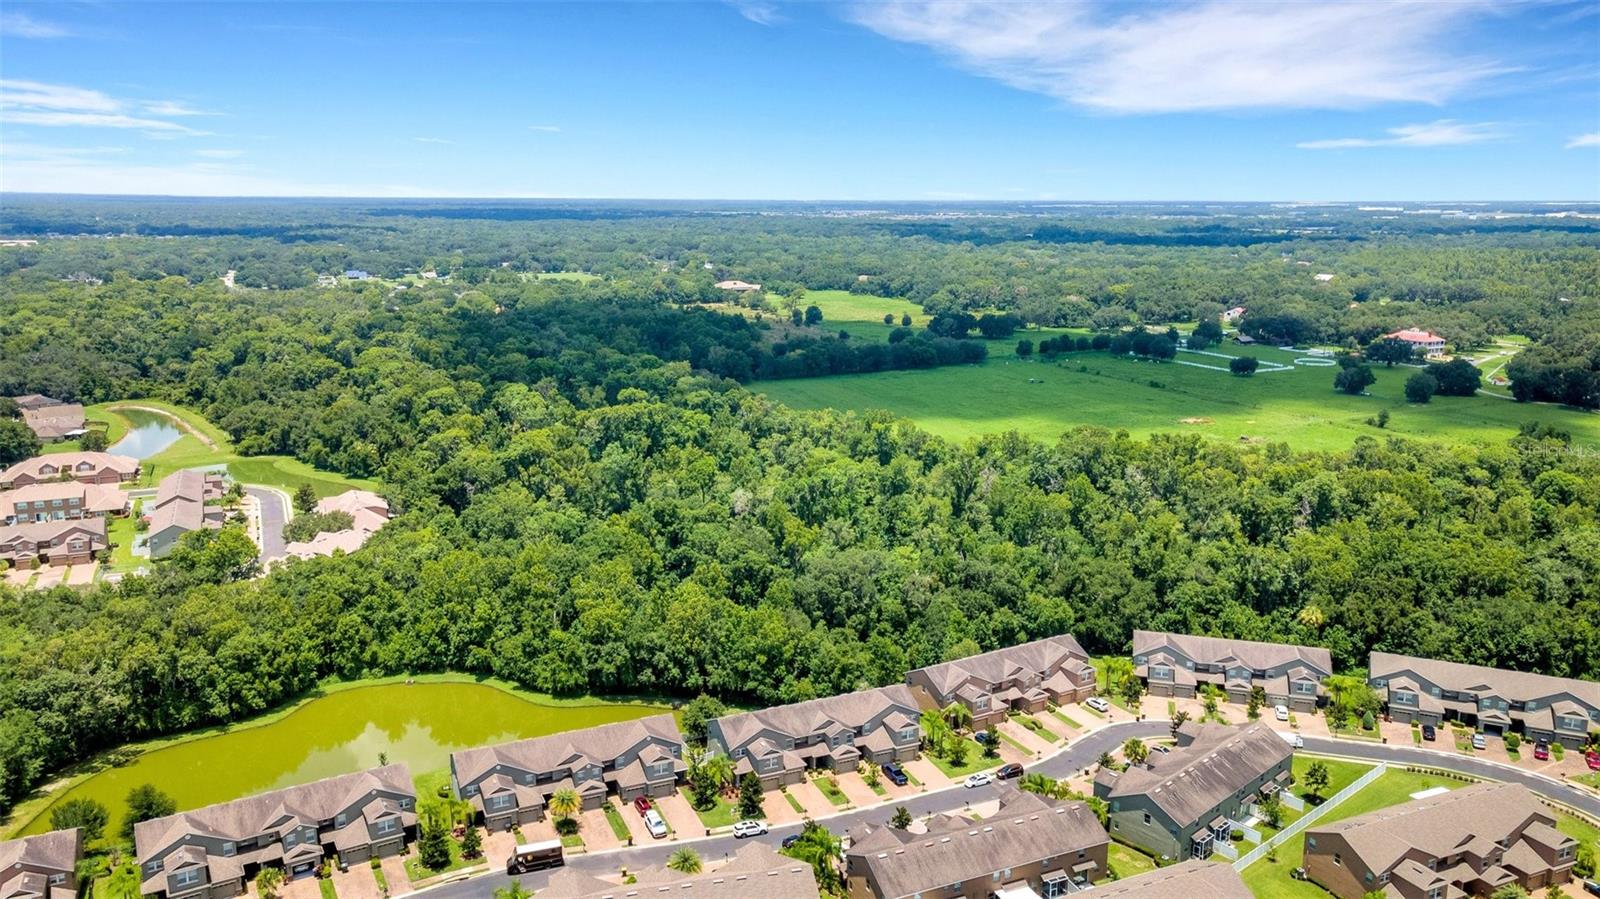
[{"x": 890, "y": 99}]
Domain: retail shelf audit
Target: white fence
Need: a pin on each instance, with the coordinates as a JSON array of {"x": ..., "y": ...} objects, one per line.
[{"x": 1309, "y": 818}]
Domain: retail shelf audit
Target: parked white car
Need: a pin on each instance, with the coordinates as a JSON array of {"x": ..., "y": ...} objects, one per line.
[
  {"x": 981, "y": 779},
  {"x": 748, "y": 829},
  {"x": 1282, "y": 712},
  {"x": 654, "y": 823},
  {"x": 1478, "y": 742},
  {"x": 1098, "y": 703}
]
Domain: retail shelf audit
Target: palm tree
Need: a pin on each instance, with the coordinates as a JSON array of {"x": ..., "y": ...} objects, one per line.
[
  {"x": 719, "y": 768},
  {"x": 564, "y": 803},
  {"x": 935, "y": 732},
  {"x": 268, "y": 881},
  {"x": 685, "y": 861},
  {"x": 1135, "y": 751},
  {"x": 958, "y": 715}
]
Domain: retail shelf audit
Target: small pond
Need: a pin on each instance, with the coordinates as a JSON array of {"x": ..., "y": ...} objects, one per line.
[
  {"x": 344, "y": 731},
  {"x": 148, "y": 434}
]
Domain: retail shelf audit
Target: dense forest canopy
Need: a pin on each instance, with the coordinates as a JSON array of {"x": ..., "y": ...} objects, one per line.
[{"x": 587, "y": 503}]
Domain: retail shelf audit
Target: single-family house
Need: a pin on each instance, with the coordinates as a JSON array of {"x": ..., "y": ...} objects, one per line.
[
  {"x": 1494, "y": 700},
  {"x": 737, "y": 286},
  {"x": 35, "y": 401},
  {"x": 89, "y": 468},
  {"x": 61, "y": 542},
  {"x": 1046, "y": 846},
  {"x": 356, "y": 274},
  {"x": 1177, "y": 664},
  {"x": 183, "y": 503},
  {"x": 834, "y": 733},
  {"x": 512, "y": 783},
  {"x": 61, "y": 501},
  {"x": 1234, "y": 314},
  {"x": 756, "y": 871},
  {"x": 368, "y": 512},
  {"x": 212, "y": 852},
  {"x": 1426, "y": 343},
  {"x": 1022, "y": 678},
  {"x": 63, "y": 421},
  {"x": 1193, "y": 879},
  {"x": 41, "y": 867},
  {"x": 1470, "y": 841},
  {"x": 1180, "y": 804}
]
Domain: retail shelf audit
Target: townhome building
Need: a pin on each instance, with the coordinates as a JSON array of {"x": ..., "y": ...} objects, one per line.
[
  {"x": 512, "y": 783},
  {"x": 368, "y": 512},
  {"x": 212, "y": 852},
  {"x": 1193, "y": 879},
  {"x": 65, "y": 542},
  {"x": 1023, "y": 678},
  {"x": 1031, "y": 846},
  {"x": 1494, "y": 700},
  {"x": 89, "y": 468},
  {"x": 1470, "y": 841},
  {"x": 52, "y": 423},
  {"x": 61, "y": 501},
  {"x": 835, "y": 733},
  {"x": 1177, "y": 664},
  {"x": 41, "y": 867},
  {"x": 1180, "y": 804},
  {"x": 184, "y": 502},
  {"x": 756, "y": 871}
]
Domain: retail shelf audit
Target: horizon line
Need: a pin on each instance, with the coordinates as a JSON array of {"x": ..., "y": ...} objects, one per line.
[{"x": 688, "y": 199}]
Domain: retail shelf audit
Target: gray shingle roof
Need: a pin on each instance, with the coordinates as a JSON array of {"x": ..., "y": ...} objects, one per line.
[
  {"x": 851, "y": 710},
  {"x": 1036, "y": 657},
  {"x": 1188, "y": 782},
  {"x": 1250, "y": 653},
  {"x": 1502, "y": 682},
  {"x": 58, "y": 849},
  {"x": 1195, "y": 879},
  {"x": 600, "y": 745}
]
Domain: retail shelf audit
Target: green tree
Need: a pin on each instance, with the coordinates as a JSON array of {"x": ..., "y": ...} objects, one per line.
[
  {"x": 1131, "y": 690},
  {"x": 819, "y": 847},
  {"x": 957, "y": 750},
  {"x": 905, "y": 319},
  {"x": 513, "y": 890},
  {"x": 1180, "y": 718},
  {"x": 813, "y": 315},
  {"x": 1354, "y": 379},
  {"x": 214, "y": 556},
  {"x": 1024, "y": 348},
  {"x": 268, "y": 880},
  {"x": 991, "y": 743},
  {"x": 471, "y": 842},
  {"x": 145, "y": 803},
  {"x": 86, "y": 814},
  {"x": 1257, "y": 699},
  {"x": 1210, "y": 698},
  {"x": 1317, "y": 778},
  {"x": 305, "y": 498},
  {"x": 1271, "y": 809},
  {"x": 958, "y": 716},
  {"x": 1244, "y": 366},
  {"x": 93, "y": 441},
  {"x": 1509, "y": 891},
  {"x": 564, "y": 803},
  {"x": 1135, "y": 751},
  {"x": 935, "y": 732},
  {"x": 1390, "y": 350},
  {"x": 685, "y": 861},
  {"x": 901, "y": 819},
  {"x": 750, "y": 796},
  {"x": 1421, "y": 387},
  {"x": 888, "y": 318},
  {"x": 17, "y": 442},
  {"x": 697, "y": 713}
]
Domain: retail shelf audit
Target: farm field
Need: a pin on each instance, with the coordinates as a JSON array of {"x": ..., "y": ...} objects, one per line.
[{"x": 1043, "y": 399}]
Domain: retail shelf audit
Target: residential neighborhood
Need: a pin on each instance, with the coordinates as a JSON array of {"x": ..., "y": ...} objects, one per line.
[
  {"x": 60, "y": 501},
  {"x": 51, "y": 420},
  {"x": 1178, "y": 664},
  {"x": 89, "y": 468},
  {"x": 367, "y": 510},
  {"x": 185, "y": 501},
  {"x": 1022, "y": 678},
  {"x": 1492, "y": 700},
  {"x": 44, "y": 866},
  {"x": 834, "y": 733},
  {"x": 54, "y": 543}
]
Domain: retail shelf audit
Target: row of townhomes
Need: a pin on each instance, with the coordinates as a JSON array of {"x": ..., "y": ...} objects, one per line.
[
  {"x": 1022, "y": 678},
  {"x": 50, "y": 419},
  {"x": 1183, "y": 803},
  {"x": 185, "y": 501},
  {"x": 61, "y": 501},
  {"x": 54, "y": 543},
  {"x": 88, "y": 468},
  {"x": 41, "y": 867},
  {"x": 1495, "y": 701},
  {"x": 756, "y": 872},
  {"x": 212, "y": 852},
  {"x": 1471, "y": 841},
  {"x": 510, "y": 784},
  {"x": 1177, "y": 664},
  {"x": 834, "y": 733}
]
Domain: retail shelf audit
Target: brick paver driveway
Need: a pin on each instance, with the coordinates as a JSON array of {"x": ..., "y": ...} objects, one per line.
[
  {"x": 303, "y": 887},
  {"x": 50, "y": 576},
  {"x": 596, "y": 830},
  {"x": 356, "y": 883},
  {"x": 394, "y": 871},
  {"x": 856, "y": 789},
  {"x": 812, "y": 799},
  {"x": 679, "y": 816},
  {"x": 776, "y": 804},
  {"x": 926, "y": 772},
  {"x": 79, "y": 575},
  {"x": 497, "y": 849},
  {"x": 635, "y": 822}
]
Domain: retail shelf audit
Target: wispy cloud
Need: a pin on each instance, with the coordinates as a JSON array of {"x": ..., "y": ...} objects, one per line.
[
  {"x": 553, "y": 129},
  {"x": 432, "y": 140},
  {"x": 1442, "y": 133},
  {"x": 16, "y": 24},
  {"x": 65, "y": 106},
  {"x": 1214, "y": 54},
  {"x": 172, "y": 108},
  {"x": 760, "y": 12},
  {"x": 1584, "y": 140}
]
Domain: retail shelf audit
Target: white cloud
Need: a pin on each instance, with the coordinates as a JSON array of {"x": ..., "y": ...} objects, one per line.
[
  {"x": 65, "y": 106},
  {"x": 172, "y": 108},
  {"x": 219, "y": 154},
  {"x": 1442, "y": 133},
  {"x": 1584, "y": 140},
  {"x": 553, "y": 129},
  {"x": 432, "y": 140},
  {"x": 1207, "y": 55},
  {"x": 16, "y": 24},
  {"x": 760, "y": 12}
]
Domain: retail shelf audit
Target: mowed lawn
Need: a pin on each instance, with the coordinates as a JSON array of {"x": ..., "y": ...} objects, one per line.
[{"x": 1044, "y": 399}]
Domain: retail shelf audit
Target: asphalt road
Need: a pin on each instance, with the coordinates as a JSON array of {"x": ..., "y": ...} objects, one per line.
[{"x": 273, "y": 514}]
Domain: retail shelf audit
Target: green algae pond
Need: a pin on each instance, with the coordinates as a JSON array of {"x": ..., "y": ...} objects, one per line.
[{"x": 344, "y": 730}]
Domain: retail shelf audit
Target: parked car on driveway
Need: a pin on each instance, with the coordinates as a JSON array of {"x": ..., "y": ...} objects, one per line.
[
  {"x": 641, "y": 805},
  {"x": 983, "y": 737},
  {"x": 1428, "y": 733},
  {"x": 656, "y": 824},
  {"x": 1592, "y": 887},
  {"x": 1541, "y": 751},
  {"x": 981, "y": 779},
  {"x": 1282, "y": 712},
  {"x": 1007, "y": 772},
  {"x": 896, "y": 774},
  {"x": 1593, "y": 760},
  {"x": 748, "y": 828},
  {"x": 1479, "y": 742},
  {"x": 1098, "y": 703}
]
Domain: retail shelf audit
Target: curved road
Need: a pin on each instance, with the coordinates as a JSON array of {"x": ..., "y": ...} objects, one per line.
[
  {"x": 274, "y": 512},
  {"x": 1077, "y": 757}
]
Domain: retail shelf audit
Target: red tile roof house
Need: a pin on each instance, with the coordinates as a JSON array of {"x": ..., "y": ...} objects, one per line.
[
  {"x": 53, "y": 542},
  {"x": 212, "y": 852},
  {"x": 88, "y": 468},
  {"x": 1176, "y": 664},
  {"x": 61, "y": 500},
  {"x": 1427, "y": 343},
  {"x": 41, "y": 867},
  {"x": 180, "y": 506},
  {"x": 512, "y": 783},
  {"x": 1021, "y": 678},
  {"x": 834, "y": 733}
]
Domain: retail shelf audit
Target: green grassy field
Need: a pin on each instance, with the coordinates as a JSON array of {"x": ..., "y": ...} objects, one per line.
[
  {"x": 1044, "y": 399},
  {"x": 1126, "y": 862}
]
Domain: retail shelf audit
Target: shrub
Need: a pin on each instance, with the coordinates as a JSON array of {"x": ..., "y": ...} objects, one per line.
[{"x": 1513, "y": 741}]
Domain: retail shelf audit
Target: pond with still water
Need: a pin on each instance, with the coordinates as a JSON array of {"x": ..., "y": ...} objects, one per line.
[
  {"x": 148, "y": 434},
  {"x": 343, "y": 731}
]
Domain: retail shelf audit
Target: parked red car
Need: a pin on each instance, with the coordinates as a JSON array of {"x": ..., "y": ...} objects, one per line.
[
  {"x": 1593, "y": 758},
  {"x": 1541, "y": 751},
  {"x": 641, "y": 805}
]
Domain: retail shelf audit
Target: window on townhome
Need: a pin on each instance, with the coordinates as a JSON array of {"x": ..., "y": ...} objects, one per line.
[
  {"x": 1338, "y": 859},
  {"x": 386, "y": 826},
  {"x": 58, "y": 879},
  {"x": 186, "y": 878},
  {"x": 228, "y": 849},
  {"x": 406, "y": 803},
  {"x": 341, "y": 820},
  {"x": 501, "y": 802},
  {"x": 1147, "y": 817}
]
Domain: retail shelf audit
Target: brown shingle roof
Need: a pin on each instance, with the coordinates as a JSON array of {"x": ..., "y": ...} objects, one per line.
[
  {"x": 1188, "y": 782},
  {"x": 58, "y": 849},
  {"x": 851, "y": 710},
  {"x": 600, "y": 745},
  {"x": 1036, "y": 657},
  {"x": 124, "y": 466},
  {"x": 1514, "y": 686},
  {"x": 1250, "y": 653},
  {"x": 1193, "y": 879}
]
